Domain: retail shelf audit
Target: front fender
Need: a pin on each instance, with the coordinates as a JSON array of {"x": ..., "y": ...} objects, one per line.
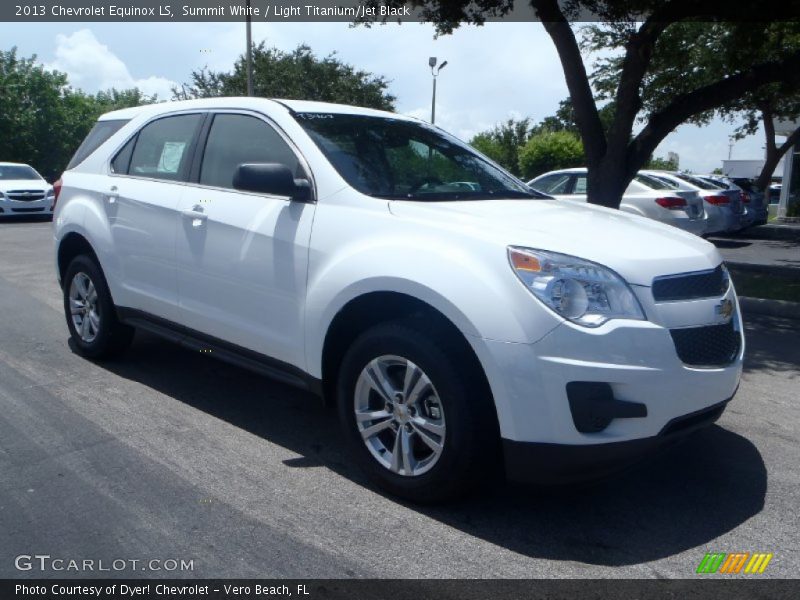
[{"x": 480, "y": 296}]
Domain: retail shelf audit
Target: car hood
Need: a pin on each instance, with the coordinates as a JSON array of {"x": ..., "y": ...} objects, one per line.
[
  {"x": 23, "y": 184},
  {"x": 637, "y": 248}
]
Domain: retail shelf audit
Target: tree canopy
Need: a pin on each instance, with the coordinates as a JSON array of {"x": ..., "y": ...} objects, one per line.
[
  {"x": 503, "y": 142},
  {"x": 635, "y": 36},
  {"x": 298, "y": 74},
  {"x": 550, "y": 150},
  {"x": 42, "y": 119}
]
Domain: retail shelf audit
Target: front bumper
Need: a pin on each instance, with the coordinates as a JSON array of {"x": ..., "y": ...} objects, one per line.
[
  {"x": 637, "y": 360},
  {"x": 553, "y": 464},
  {"x": 34, "y": 207}
]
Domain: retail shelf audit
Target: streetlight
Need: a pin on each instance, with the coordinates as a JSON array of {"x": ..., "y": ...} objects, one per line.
[
  {"x": 249, "y": 54},
  {"x": 435, "y": 73}
]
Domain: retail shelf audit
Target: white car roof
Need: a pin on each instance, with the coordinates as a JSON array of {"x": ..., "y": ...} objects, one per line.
[
  {"x": 13, "y": 164},
  {"x": 244, "y": 102}
]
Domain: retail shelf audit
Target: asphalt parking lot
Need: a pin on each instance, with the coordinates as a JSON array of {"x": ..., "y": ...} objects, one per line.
[
  {"x": 772, "y": 247},
  {"x": 172, "y": 455}
]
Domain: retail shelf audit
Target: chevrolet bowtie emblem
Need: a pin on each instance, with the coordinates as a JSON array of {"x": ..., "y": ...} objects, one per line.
[{"x": 724, "y": 309}]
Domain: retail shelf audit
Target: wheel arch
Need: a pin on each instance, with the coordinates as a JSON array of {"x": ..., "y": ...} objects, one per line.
[
  {"x": 373, "y": 308},
  {"x": 71, "y": 245}
]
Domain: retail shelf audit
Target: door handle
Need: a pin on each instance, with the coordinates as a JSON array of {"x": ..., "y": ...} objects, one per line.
[
  {"x": 196, "y": 214},
  {"x": 113, "y": 195}
]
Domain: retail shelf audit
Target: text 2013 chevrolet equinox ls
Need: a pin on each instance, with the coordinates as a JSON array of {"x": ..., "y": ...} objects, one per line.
[{"x": 452, "y": 314}]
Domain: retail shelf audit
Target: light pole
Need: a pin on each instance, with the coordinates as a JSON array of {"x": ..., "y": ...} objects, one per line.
[
  {"x": 435, "y": 73},
  {"x": 249, "y": 55}
]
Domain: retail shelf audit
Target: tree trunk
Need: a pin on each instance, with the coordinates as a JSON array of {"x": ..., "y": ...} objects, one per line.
[
  {"x": 774, "y": 154},
  {"x": 607, "y": 181},
  {"x": 772, "y": 159}
]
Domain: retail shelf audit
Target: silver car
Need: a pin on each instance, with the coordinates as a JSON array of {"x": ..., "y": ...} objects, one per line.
[
  {"x": 724, "y": 208},
  {"x": 750, "y": 209},
  {"x": 673, "y": 207}
]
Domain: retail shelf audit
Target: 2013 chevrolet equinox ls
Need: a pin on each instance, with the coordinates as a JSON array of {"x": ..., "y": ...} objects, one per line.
[{"x": 453, "y": 315}]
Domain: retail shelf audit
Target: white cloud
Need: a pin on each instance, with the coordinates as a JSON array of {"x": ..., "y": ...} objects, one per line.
[{"x": 92, "y": 66}]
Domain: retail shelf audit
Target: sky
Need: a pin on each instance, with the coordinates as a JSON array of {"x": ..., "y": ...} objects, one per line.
[{"x": 494, "y": 72}]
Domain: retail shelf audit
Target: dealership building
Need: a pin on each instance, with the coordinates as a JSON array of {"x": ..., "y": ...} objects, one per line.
[{"x": 790, "y": 186}]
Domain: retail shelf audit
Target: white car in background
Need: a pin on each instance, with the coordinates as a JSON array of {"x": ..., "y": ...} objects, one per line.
[
  {"x": 672, "y": 207},
  {"x": 23, "y": 192},
  {"x": 724, "y": 208}
]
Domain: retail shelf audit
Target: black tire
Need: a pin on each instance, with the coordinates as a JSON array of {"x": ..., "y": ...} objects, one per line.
[
  {"x": 111, "y": 337},
  {"x": 471, "y": 439}
]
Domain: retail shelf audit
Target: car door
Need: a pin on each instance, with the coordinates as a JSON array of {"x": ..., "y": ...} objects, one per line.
[
  {"x": 148, "y": 176},
  {"x": 242, "y": 256}
]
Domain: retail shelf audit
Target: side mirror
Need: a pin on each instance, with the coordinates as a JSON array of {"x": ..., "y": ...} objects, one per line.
[{"x": 271, "y": 178}]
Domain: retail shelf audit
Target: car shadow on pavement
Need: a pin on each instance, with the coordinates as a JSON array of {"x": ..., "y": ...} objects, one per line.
[
  {"x": 729, "y": 243},
  {"x": 685, "y": 497},
  {"x": 771, "y": 343},
  {"x": 25, "y": 219}
]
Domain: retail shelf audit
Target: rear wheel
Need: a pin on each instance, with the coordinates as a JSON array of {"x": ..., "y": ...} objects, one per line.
[
  {"x": 89, "y": 309},
  {"x": 418, "y": 419}
]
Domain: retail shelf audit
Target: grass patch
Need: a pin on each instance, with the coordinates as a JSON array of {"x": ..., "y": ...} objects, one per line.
[{"x": 766, "y": 285}]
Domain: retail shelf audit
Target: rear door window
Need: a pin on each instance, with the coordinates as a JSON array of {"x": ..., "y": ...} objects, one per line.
[{"x": 162, "y": 148}]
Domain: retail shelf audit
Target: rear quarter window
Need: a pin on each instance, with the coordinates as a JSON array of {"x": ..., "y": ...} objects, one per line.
[{"x": 101, "y": 131}]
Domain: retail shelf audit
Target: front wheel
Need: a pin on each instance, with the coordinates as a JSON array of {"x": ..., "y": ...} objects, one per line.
[
  {"x": 90, "y": 312},
  {"x": 418, "y": 419}
]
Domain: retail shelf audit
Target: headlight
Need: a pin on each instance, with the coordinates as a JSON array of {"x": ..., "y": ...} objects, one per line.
[
  {"x": 51, "y": 194},
  {"x": 579, "y": 290}
]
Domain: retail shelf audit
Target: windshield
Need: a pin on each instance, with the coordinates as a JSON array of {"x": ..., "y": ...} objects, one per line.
[
  {"x": 398, "y": 159},
  {"x": 18, "y": 172}
]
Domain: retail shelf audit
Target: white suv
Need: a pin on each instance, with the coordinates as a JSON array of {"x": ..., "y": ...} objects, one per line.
[{"x": 454, "y": 316}]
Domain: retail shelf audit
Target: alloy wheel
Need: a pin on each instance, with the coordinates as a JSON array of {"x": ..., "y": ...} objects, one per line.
[
  {"x": 399, "y": 415},
  {"x": 84, "y": 307}
]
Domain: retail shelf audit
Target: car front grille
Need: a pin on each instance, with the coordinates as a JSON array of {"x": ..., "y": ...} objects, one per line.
[
  {"x": 25, "y": 195},
  {"x": 707, "y": 346},
  {"x": 691, "y": 286}
]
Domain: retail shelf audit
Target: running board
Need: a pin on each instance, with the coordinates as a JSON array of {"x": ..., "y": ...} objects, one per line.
[{"x": 224, "y": 351}]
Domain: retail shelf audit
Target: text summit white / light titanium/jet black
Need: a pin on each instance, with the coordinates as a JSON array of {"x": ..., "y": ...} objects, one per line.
[{"x": 463, "y": 324}]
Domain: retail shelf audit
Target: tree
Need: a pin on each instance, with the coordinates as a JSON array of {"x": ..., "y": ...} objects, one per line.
[
  {"x": 714, "y": 51},
  {"x": 550, "y": 150},
  {"x": 662, "y": 164},
  {"x": 42, "y": 119},
  {"x": 503, "y": 142},
  {"x": 564, "y": 119},
  {"x": 632, "y": 30},
  {"x": 298, "y": 75}
]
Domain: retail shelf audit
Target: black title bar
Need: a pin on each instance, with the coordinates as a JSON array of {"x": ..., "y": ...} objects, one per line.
[{"x": 733, "y": 588}]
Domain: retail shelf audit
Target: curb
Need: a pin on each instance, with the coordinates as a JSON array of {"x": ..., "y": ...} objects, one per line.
[
  {"x": 772, "y": 231},
  {"x": 771, "y": 308}
]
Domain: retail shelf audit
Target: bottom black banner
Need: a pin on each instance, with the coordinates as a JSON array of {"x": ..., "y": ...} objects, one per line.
[{"x": 399, "y": 589}]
